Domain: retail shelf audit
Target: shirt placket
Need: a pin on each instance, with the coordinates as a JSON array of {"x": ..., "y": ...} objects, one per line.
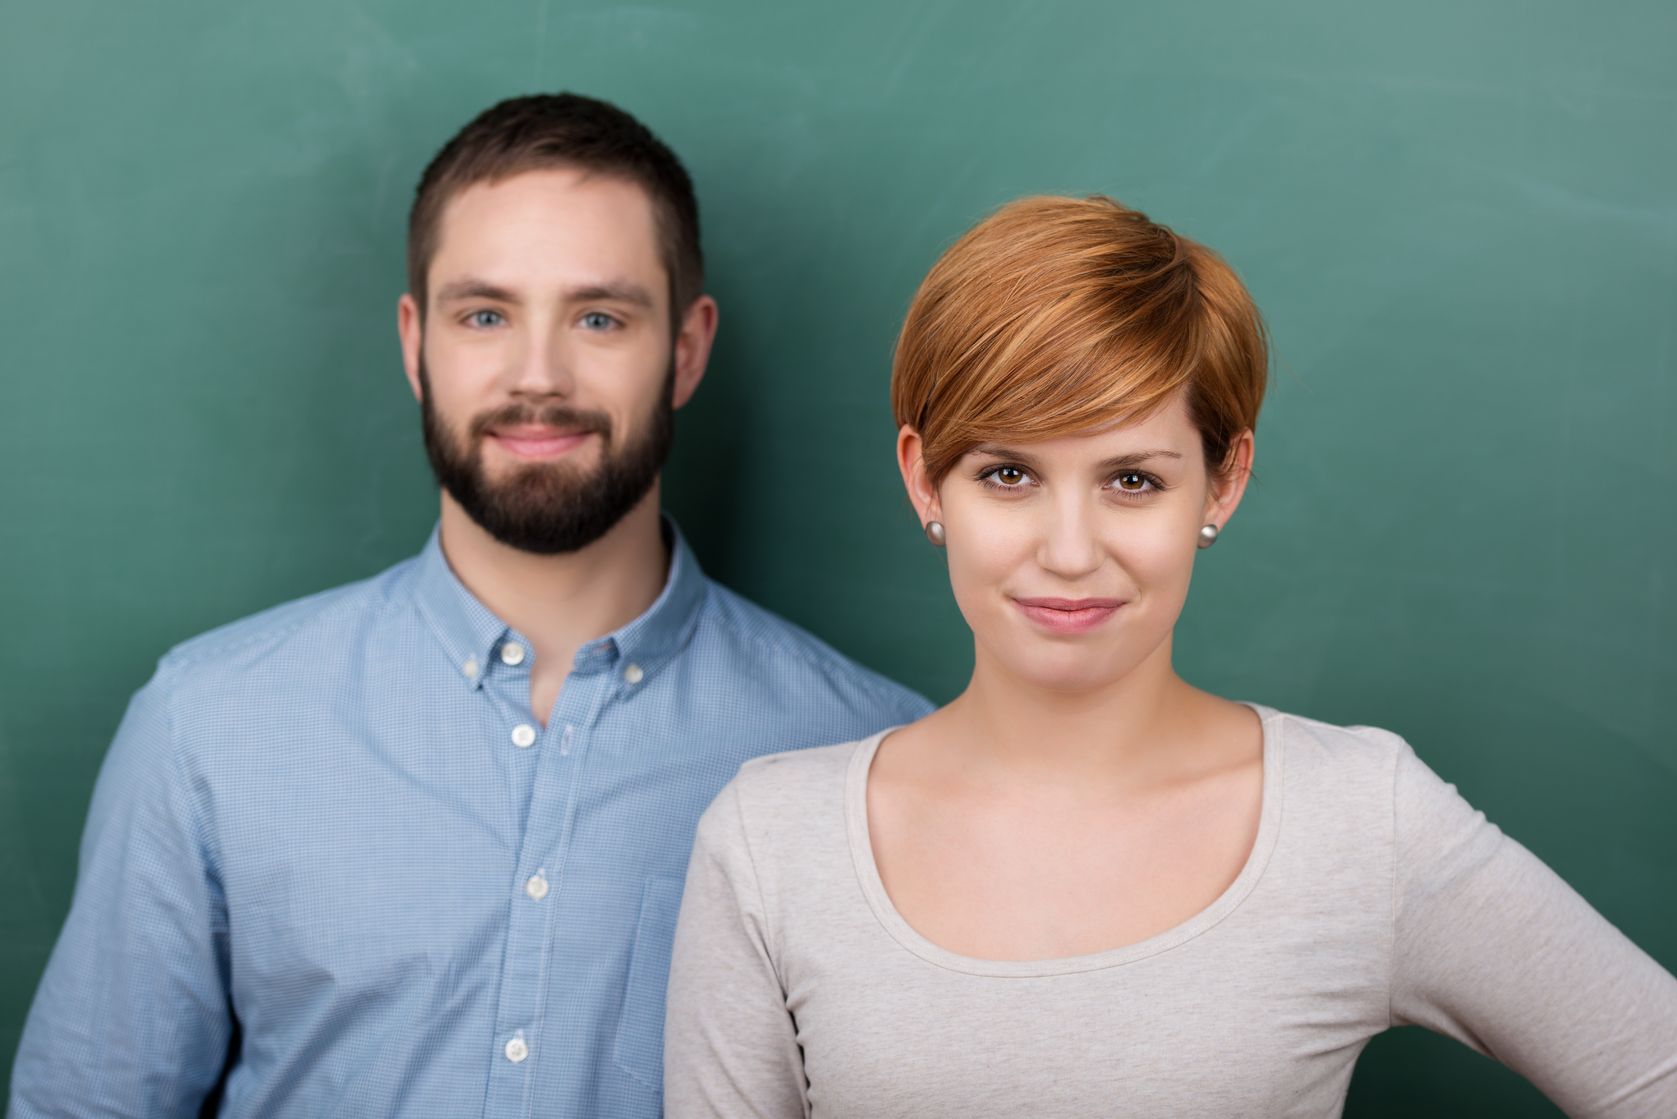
[{"x": 538, "y": 874}]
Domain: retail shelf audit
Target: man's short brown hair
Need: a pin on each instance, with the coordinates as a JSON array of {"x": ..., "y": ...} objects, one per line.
[{"x": 562, "y": 130}]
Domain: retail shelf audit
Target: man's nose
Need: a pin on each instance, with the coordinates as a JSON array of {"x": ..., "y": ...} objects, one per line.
[{"x": 544, "y": 366}]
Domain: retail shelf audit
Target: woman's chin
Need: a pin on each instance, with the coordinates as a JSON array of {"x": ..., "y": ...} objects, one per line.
[{"x": 1069, "y": 671}]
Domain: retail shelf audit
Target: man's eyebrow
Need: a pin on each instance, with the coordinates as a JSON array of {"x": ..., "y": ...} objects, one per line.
[
  {"x": 473, "y": 288},
  {"x": 612, "y": 291}
]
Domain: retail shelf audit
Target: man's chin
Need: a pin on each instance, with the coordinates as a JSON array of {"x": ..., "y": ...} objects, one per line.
[
  {"x": 562, "y": 479},
  {"x": 533, "y": 492}
]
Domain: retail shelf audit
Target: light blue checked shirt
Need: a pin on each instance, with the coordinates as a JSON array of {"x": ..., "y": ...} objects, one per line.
[{"x": 332, "y": 852}]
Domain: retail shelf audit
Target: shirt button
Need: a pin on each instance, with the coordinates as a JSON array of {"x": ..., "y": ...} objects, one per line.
[
  {"x": 536, "y": 887},
  {"x": 469, "y": 668},
  {"x": 512, "y": 654},
  {"x": 524, "y": 736},
  {"x": 633, "y": 674},
  {"x": 516, "y": 1050}
]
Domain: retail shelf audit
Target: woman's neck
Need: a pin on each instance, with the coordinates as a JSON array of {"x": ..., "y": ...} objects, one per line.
[{"x": 1134, "y": 729}]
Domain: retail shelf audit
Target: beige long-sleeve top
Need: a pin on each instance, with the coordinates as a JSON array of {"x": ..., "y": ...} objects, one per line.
[{"x": 1374, "y": 896}]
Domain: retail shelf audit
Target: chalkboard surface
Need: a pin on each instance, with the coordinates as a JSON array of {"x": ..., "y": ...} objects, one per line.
[{"x": 1460, "y": 219}]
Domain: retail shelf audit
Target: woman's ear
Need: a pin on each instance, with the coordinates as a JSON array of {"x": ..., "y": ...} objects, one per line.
[
  {"x": 910, "y": 461},
  {"x": 1228, "y": 484}
]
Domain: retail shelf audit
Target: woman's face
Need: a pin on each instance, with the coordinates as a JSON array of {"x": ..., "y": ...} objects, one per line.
[{"x": 1070, "y": 558}]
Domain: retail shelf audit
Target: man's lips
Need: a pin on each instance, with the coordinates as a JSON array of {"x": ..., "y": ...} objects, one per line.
[
  {"x": 535, "y": 441},
  {"x": 1068, "y": 615}
]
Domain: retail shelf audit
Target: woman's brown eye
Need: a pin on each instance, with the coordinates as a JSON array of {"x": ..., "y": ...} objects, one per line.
[
  {"x": 1134, "y": 483},
  {"x": 1010, "y": 475}
]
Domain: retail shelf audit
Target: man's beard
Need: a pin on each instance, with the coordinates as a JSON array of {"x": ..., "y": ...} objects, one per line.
[{"x": 549, "y": 508}]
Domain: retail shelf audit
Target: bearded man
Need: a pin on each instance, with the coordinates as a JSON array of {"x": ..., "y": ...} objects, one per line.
[{"x": 415, "y": 846}]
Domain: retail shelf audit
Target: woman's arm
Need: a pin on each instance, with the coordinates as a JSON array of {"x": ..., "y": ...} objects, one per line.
[
  {"x": 730, "y": 1046},
  {"x": 1493, "y": 949}
]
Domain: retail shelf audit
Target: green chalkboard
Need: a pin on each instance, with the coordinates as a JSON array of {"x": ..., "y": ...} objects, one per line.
[{"x": 1460, "y": 219}]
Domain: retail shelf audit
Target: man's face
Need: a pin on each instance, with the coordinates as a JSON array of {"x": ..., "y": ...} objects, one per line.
[{"x": 544, "y": 361}]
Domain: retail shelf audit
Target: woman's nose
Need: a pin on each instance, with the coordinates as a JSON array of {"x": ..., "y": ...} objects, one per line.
[{"x": 1069, "y": 546}]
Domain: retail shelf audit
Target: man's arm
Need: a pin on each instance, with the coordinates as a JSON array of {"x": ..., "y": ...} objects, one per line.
[{"x": 132, "y": 1016}]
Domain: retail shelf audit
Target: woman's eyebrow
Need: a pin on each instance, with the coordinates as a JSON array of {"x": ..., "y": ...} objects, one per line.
[
  {"x": 1136, "y": 458},
  {"x": 1117, "y": 462},
  {"x": 996, "y": 450}
]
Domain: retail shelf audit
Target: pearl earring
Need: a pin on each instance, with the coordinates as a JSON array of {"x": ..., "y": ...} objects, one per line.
[
  {"x": 935, "y": 533},
  {"x": 1208, "y": 535}
]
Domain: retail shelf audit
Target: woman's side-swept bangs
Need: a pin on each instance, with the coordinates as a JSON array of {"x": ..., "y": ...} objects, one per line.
[{"x": 1061, "y": 316}]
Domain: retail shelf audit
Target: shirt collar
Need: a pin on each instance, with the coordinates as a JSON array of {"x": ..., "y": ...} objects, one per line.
[{"x": 470, "y": 631}]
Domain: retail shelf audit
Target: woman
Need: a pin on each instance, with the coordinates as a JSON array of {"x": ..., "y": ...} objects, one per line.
[{"x": 1086, "y": 887}]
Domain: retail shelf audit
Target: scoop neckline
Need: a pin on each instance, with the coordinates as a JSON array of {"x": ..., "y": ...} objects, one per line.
[{"x": 885, "y": 910}]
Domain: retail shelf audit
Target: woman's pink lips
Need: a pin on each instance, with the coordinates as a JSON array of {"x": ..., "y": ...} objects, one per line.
[
  {"x": 538, "y": 442},
  {"x": 1068, "y": 615}
]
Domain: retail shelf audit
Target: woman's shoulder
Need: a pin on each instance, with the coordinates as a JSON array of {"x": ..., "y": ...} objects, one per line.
[
  {"x": 1366, "y": 773},
  {"x": 814, "y": 770},
  {"x": 1339, "y": 767},
  {"x": 1315, "y": 742},
  {"x": 797, "y": 790}
]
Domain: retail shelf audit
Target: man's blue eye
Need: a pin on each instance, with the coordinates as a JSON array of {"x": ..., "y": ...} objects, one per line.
[
  {"x": 485, "y": 318},
  {"x": 598, "y": 320}
]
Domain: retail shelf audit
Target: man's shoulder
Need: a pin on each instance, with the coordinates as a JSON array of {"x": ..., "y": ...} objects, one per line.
[
  {"x": 328, "y": 619},
  {"x": 257, "y": 673},
  {"x": 778, "y": 652}
]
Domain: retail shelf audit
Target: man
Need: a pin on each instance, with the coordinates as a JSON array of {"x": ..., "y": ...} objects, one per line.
[{"x": 416, "y": 845}]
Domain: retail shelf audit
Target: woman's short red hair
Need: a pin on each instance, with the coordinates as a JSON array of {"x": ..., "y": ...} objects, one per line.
[{"x": 1059, "y": 316}]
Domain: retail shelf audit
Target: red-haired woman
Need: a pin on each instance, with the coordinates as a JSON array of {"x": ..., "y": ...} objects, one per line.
[{"x": 1086, "y": 887}]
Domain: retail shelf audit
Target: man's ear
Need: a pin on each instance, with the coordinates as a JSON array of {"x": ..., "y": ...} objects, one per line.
[
  {"x": 1228, "y": 485},
  {"x": 692, "y": 347},
  {"x": 410, "y": 328},
  {"x": 911, "y": 462}
]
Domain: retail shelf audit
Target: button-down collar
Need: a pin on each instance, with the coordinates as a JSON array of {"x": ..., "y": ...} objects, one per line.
[{"x": 470, "y": 632}]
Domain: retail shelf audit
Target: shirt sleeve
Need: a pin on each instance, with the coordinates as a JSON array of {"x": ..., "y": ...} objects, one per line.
[
  {"x": 132, "y": 1017},
  {"x": 1492, "y": 948},
  {"x": 730, "y": 1045}
]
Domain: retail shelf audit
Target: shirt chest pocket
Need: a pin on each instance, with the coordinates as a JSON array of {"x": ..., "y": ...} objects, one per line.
[{"x": 639, "y": 1050}]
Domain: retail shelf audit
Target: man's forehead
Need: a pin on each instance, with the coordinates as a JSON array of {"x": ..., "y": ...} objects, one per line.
[{"x": 549, "y": 216}]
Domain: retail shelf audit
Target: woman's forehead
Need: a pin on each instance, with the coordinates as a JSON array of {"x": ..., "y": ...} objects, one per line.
[{"x": 1167, "y": 430}]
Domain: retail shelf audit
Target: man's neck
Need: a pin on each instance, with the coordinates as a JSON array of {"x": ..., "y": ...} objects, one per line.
[{"x": 560, "y": 603}]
